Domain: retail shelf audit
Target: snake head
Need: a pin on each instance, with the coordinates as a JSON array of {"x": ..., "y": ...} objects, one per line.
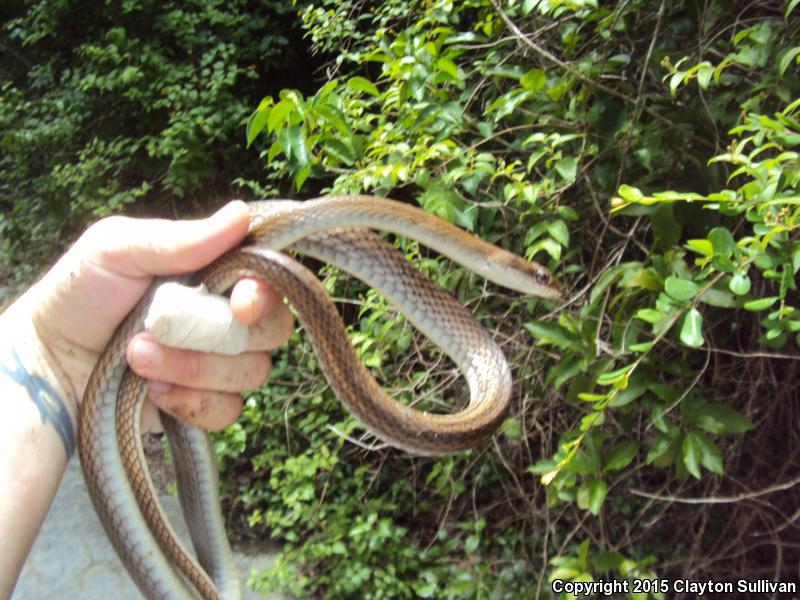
[{"x": 534, "y": 279}]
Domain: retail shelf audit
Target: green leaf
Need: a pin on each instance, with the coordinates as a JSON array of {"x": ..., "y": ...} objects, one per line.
[
  {"x": 722, "y": 241},
  {"x": 274, "y": 150},
  {"x": 701, "y": 246},
  {"x": 692, "y": 330},
  {"x": 507, "y": 103},
  {"x": 255, "y": 124},
  {"x": 692, "y": 454},
  {"x": 641, "y": 347},
  {"x": 650, "y": 315},
  {"x": 278, "y": 114},
  {"x": 761, "y": 303},
  {"x": 551, "y": 333},
  {"x": 583, "y": 554},
  {"x": 567, "y": 368},
  {"x": 739, "y": 284},
  {"x": 567, "y": 167},
  {"x": 718, "y": 418},
  {"x": 511, "y": 429},
  {"x": 534, "y": 80},
  {"x": 569, "y": 213},
  {"x": 719, "y": 298},
  {"x": 628, "y": 395},
  {"x": 447, "y": 66},
  {"x": 301, "y": 177},
  {"x": 675, "y": 81},
  {"x": 617, "y": 378},
  {"x": 641, "y": 278},
  {"x": 559, "y": 232},
  {"x": 680, "y": 289},
  {"x": 621, "y": 455},
  {"x": 297, "y": 145},
  {"x": 591, "y": 495},
  {"x": 704, "y": 75},
  {"x": 362, "y": 84},
  {"x": 339, "y": 548},
  {"x": 335, "y": 117},
  {"x": 586, "y": 397},
  {"x": 564, "y": 574},
  {"x": 428, "y": 588},
  {"x": 603, "y": 283},
  {"x": 787, "y": 58},
  {"x": 710, "y": 456},
  {"x": 662, "y": 450},
  {"x": 592, "y": 419},
  {"x": 337, "y": 149},
  {"x": 630, "y": 193}
]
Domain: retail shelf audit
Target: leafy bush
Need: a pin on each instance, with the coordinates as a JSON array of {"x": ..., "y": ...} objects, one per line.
[
  {"x": 104, "y": 105},
  {"x": 550, "y": 127}
]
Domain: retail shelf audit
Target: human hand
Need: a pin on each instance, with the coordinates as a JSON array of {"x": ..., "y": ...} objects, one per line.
[{"x": 78, "y": 304}]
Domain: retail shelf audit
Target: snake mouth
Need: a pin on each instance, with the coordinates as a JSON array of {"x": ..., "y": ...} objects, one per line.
[{"x": 550, "y": 292}]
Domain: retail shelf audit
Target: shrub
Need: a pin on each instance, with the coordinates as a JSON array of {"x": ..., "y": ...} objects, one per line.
[
  {"x": 551, "y": 127},
  {"x": 107, "y": 105}
]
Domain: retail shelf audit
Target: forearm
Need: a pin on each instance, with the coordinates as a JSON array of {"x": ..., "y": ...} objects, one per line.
[{"x": 37, "y": 436}]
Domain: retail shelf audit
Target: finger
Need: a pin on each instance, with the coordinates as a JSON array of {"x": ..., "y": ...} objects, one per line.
[
  {"x": 199, "y": 370},
  {"x": 208, "y": 409},
  {"x": 272, "y": 330},
  {"x": 251, "y": 299},
  {"x": 144, "y": 247}
]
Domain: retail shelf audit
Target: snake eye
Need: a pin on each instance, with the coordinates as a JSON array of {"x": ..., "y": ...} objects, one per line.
[{"x": 542, "y": 277}]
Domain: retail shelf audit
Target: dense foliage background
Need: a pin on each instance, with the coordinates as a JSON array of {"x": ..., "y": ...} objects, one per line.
[
  {"x": 137, "y": 104},
  {"x": 646, "y": 151}
]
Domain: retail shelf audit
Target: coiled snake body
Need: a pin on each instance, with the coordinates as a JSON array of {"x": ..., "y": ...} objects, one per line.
[{"x": 334, "y": 230}]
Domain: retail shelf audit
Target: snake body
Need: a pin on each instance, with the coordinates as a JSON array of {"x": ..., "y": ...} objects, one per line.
[{"x": 334, "y": 230}]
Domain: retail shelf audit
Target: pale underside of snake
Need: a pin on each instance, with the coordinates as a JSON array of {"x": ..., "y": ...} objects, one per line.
[{"x": 335, "y": 230}]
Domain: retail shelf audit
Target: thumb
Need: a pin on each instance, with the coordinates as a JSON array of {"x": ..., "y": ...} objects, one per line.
[{"x": 146, "y": 247}]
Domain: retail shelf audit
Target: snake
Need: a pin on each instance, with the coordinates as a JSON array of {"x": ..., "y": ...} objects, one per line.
[{"x": 340, "y": 231}]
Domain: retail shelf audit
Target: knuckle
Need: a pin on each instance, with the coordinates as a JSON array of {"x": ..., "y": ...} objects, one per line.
[
  {"x": 257, "y": 374},
  {"x": 193, "y": 366}
]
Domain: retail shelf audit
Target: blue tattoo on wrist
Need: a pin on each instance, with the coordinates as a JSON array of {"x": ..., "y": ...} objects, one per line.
[{"x": 46, "y": 398}]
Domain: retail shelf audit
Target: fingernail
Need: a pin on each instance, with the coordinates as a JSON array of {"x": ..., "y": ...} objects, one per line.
[{"x": 146, "y": 354}]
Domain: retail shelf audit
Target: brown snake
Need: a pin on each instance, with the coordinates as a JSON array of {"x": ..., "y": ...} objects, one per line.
[{"x": 335, "y": 230}]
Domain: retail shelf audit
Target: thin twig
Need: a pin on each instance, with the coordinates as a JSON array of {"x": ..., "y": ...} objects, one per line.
[
  {"x": 359, "y": 443},
  {"x": 756, "y": 354},
  {"x": 720, "y": 499}
]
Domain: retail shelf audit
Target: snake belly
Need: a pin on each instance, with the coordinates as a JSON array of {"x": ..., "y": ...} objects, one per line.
[{"x": 110, "y": 444}]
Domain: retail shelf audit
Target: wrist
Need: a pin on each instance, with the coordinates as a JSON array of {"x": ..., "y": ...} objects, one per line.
[{"x": 51, "y": 371}]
